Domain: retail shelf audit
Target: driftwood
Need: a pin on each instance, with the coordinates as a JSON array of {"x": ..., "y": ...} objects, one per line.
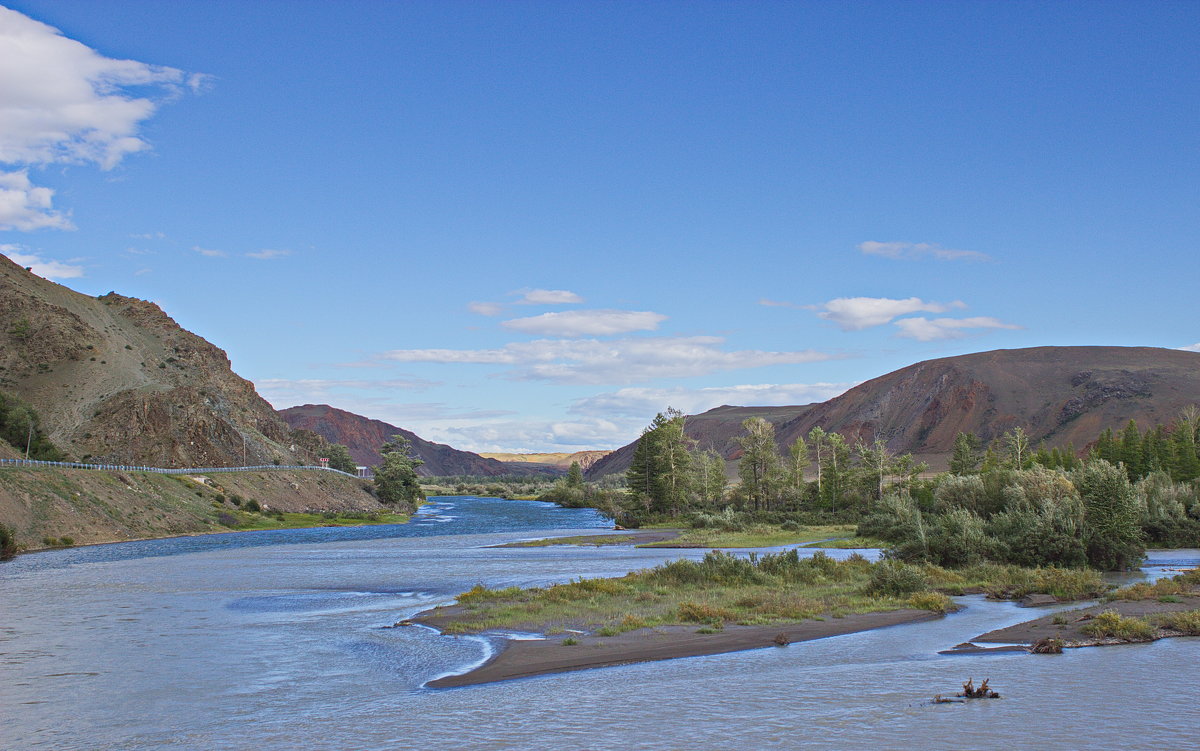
[
  {"x": 969, "y": 692},
  {"x": 1048, "y": 646},
  {"x": 983, "y": 692}
]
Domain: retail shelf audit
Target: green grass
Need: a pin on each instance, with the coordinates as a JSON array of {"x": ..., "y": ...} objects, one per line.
[
  {"x": 713, "y": 592},
  {"x": 1006, "y": 582},
  {"x": 756, "y": 536},
  {"x": 1112, "y": 624}
]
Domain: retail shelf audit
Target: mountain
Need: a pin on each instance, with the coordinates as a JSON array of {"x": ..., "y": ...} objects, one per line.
[
  {"x": 553, "y": 464},
  {"x": 364, "y": 436},
  {"x": 115, "y": 379},
  {"x": 1058, "y": 395}
]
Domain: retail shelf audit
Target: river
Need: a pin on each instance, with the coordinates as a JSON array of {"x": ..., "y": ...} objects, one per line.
[{"x": 279, "y": 640}]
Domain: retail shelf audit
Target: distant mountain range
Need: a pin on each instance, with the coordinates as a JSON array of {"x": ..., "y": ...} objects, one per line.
[
  {"x": 364, "y": 437},
  {"x": 1058, "y": 395}
]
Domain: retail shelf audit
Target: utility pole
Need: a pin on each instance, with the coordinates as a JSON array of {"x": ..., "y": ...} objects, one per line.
[{"x": 28, "y": 439}]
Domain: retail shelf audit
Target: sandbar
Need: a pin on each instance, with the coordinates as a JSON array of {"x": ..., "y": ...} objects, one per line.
[{"x": 526, "y": 658}]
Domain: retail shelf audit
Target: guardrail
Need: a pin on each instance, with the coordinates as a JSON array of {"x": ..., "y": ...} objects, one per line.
[{"x": 167, "y": 471}]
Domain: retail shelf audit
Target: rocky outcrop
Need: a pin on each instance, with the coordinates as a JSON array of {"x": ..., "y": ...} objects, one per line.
[
  {"x": 364, "y": 436},
  {"x": 115, "y": 379}
]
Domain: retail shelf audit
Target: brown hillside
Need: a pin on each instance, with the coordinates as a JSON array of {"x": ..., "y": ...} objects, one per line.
[
  {"x": 115, "y": 379},
  {"x": 1058, "y": 395},
  {"x": 364, "y": 436}
]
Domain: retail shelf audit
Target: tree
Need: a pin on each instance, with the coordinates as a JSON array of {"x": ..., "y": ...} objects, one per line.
[
  {"x": 708, "y": 477},
  {"x": 1131, "y": 451},
  {"x": 339, "y": 458},
  {"x": 1016, "y": 442},
  {"x": 836, "y": 469},
  {"x": 817, "y": 439},
  {"x": 798, "y": 462},
  {"x": 965, "y": 459},
  {"x": 877, "y": 461},
  {"x": 660, "y": 472},
  {"x": 1111, "y": 517},
  {"x": 575, "y": 476},
  {"x": 759, "y": 466},
  {"x": 396, "y": 480}
]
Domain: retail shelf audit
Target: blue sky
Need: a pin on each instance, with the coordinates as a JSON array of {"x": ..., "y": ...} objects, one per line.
[{"x": 531, "y": 226}]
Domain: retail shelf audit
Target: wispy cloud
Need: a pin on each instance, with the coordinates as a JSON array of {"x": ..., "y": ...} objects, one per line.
[
  {"x": 43, "y": 267},
  {"x": 1191, "y": 347},
  {"x": 517, "y": 436},
  {"x": 916, "y": 251},
  {"x": 549, "y": 297},
  {"x": 857, "y": 313},
  {"x": 287, "y": 392},
  {"x": 778, "y": 303},
  {"x": 925, "y": 330},
  {"x": 209, "y": 252},
  {"x": 616, "y": 361},
  {"x": 268, "y": 254},
  {"x": 485, "y": 308},
  {"x": 574, "y": 323},
  {"x": 149, "y": 236},
  {"x": 645, "y": 402},
  {"x": 64, "y": 103}
]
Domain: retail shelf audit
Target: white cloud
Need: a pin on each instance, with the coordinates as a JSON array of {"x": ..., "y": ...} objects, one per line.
[
  {"x": 61, "y": 101},
  {"x": 209, "y": 252},
  {"x": 587, "y": 323},
  {"x": 26, "y": 207},
  {"x": 1191, "y": 348},
  {"x": 914, "y": 251},
  {"x": 645, "y": 402},
  {"x": 924, "y": 330},
  {"x": 857, "y": 313},
  {"x": 64, "y": 103},
  {"x": 618, "y": 361},
  {"x": 549, "y": 297},
  {"x": 528, "y": 436},
  {"x": 485, "y": 308},
  {"x": 42, "y": 267},
  {"x": 150, "y": 236},
  {"x": 267, "y": 255}
]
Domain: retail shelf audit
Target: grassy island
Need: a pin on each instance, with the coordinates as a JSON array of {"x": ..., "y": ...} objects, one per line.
[{"x": 722, "y": 603}]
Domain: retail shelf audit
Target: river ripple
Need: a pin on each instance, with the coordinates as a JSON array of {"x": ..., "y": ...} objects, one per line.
[{"x": 277, "y": 641}]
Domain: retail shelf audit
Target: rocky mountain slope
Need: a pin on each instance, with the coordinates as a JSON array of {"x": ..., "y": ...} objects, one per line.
[
  {"x": 1058, "y": 395},
  {"x": 364, "y": 436},
  {"x": 115, "y": 379}
]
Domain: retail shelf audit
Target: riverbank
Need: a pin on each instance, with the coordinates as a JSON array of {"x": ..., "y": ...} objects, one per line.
[
  {"x": 527, "y": 658},
  {"x": 101, "y": 506},
  {"x": 1142, "y": 612}
]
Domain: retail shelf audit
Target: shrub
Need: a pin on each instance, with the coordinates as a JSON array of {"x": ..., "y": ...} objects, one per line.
[
  {"x": 932, "y": 601},
  {"x": 1110, "y": 623},
  {"x": 227, "y": 520},
  {"x": 570, "y": 641},
  {"x": 702, "y": 613},
  {"x": 1187, "y": 622},
  {"x": 66, "y": 542},
  {"x": 253, "y": 505},
  {"x": 893, "y": 578},
  {"x": 8, "y": 543}
]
